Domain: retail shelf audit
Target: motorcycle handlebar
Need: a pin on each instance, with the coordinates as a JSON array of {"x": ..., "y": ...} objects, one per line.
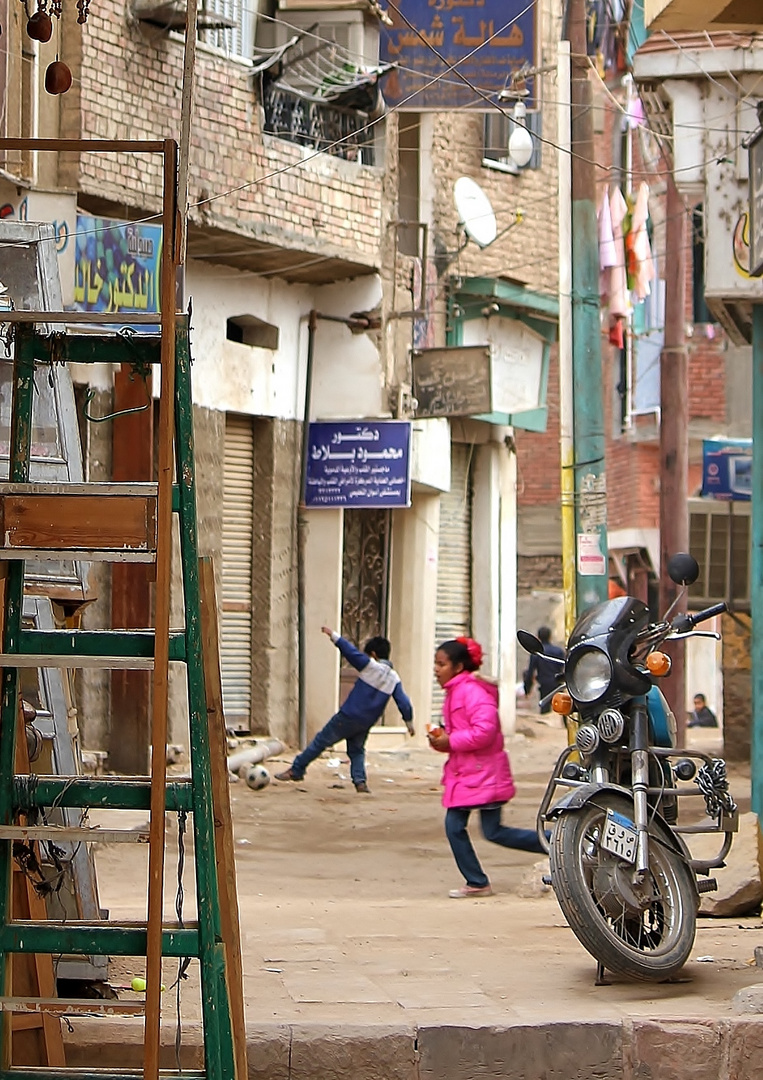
[{"x": 682, "y": 623}]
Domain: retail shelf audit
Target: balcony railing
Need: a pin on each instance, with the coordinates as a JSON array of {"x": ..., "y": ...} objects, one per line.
[{"x": 321, "y": 126}]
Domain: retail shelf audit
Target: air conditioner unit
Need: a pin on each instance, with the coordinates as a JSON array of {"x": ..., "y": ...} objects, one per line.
[
  {"x": 171, "y": 15},
  {"x": 720, "y": 539}
]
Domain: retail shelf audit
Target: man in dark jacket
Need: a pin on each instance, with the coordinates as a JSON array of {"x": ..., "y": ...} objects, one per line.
[{"x": 544, "y": 670}]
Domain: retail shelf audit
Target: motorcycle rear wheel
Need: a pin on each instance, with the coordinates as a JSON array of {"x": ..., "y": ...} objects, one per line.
[{"x": 644, "y": 930}]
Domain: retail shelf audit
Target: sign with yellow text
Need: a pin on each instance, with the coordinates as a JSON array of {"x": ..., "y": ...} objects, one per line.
[{"x": 444, "y": 49}]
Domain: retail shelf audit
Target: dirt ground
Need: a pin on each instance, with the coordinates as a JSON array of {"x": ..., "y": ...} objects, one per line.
[{"x": 345, "y": 914}]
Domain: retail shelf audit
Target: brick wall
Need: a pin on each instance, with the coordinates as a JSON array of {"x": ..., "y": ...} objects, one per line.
[{"x": 130, "y": 88}]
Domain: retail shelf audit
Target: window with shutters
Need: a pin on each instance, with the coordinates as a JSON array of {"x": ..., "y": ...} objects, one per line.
[
  {"x": 236, "y": 606},
  {"x": 720, "y": 541}
]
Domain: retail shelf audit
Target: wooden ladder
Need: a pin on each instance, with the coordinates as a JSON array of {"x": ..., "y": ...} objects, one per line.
[{"x": 121, "y": 522}]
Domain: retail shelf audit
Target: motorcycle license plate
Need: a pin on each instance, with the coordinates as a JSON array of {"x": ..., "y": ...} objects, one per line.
[{"x": 620, "y": 836}]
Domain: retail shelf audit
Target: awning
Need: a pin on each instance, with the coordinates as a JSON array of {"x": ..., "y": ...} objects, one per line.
[{"x": 321, "y": 71}]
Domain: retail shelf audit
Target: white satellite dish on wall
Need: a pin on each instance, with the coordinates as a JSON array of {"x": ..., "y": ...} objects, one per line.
[{"x": 474, "y": 211}]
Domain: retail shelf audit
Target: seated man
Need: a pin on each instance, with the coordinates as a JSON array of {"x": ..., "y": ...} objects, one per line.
[{"x": 701, "y": 715}]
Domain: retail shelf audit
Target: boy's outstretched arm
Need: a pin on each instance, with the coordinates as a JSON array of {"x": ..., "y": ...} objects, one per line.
[
  {"x": 354, "y": 656},
  {"x": 403, "y": 703}
]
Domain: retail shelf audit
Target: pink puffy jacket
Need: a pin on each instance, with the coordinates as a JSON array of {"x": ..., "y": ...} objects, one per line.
[{"x": 477, "y": 771}]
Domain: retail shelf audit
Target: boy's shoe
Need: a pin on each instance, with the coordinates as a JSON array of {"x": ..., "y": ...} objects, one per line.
[
  {"x": 287, "y": 775},
  {"x": 363, "y": 788},
  {"x": 470, "y": 890}
]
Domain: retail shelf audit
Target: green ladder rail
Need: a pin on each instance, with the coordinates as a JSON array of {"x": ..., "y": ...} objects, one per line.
[{"x": 22, "y": 647}]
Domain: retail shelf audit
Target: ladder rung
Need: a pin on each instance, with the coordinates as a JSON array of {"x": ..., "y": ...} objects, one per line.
[
  {"x": 116, "y": 793},
  {"x": 62, "y": 1006},
  {"x": 27, "y": 936},
  {"x": 74, "y": 834},
  {"x": 77, "y": 554},
  {"x": 106, "y": 488},
  {"x": 34, "y": 1072},
  {"x": 46, "y": 660},
  {"x": 89, "y": 648}
]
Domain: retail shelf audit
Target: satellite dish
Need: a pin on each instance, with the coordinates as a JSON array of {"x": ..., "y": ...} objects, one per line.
[{"x": 474, "y": 211}]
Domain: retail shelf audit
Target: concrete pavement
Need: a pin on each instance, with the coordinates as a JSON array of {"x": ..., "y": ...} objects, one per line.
[{"x": 357, "y": 963}]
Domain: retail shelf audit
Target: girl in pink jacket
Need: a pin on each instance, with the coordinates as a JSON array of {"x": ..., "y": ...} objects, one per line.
[{"x": 477, "y": 775}]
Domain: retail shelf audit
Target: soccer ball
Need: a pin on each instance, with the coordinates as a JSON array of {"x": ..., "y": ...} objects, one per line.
[{"x": 256, "y": 776}]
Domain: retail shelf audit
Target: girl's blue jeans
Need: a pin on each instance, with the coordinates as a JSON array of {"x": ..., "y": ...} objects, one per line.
[
  {"x": 339, "y": 727},
  {"x": 456, "y": 822}
]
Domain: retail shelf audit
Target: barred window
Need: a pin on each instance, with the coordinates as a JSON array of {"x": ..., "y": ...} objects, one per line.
[{"x": 498, "y": 129}]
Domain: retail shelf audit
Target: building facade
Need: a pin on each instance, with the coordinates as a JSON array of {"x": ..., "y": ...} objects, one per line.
[{"x": 343, "y": 209}]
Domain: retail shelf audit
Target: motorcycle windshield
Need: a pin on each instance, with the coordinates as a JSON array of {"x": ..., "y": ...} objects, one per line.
[{"x": 623, "y": 615}]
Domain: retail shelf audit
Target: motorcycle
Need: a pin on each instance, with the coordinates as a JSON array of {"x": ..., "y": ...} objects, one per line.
[{"x": 621, "y": 869}]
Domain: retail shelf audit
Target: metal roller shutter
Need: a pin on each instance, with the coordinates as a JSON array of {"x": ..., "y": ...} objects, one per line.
[
  {"x": 236, "y": 615},
  {"x": 454, "y": 561}
]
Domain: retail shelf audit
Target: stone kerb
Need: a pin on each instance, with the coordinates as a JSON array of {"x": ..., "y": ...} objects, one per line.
[{"x": 628, "y": 1049}]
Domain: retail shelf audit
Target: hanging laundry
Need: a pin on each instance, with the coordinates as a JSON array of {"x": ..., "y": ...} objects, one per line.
[
  {"x": 619, "y": 302},
  {"x": 607, "y": 250},
  {"x": 639, "y": 263},
  {"x": 617, "y": 333}
]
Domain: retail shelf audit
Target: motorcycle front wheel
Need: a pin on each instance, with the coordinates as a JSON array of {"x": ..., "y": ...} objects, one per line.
[{"x": 643, "y": 928}]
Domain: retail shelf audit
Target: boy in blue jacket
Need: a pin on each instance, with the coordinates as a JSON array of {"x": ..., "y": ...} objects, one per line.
[{"x": 377, "y": 682}]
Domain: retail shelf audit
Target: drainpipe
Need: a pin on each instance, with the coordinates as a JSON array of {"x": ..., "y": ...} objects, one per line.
[
  {"x": 756, "y": 585},
  {"x": 356, "y": 325}
]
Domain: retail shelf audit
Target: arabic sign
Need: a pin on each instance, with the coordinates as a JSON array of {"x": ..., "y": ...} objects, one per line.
[
  {"x": 452, "y": 381},
  {"x": 116, "y": 265},
  {"x": 359, "y": 465},
  {"x": 727, "y": 469},
  {"x": 756, "y": 205},
  {"x": 484, "y": 40}
]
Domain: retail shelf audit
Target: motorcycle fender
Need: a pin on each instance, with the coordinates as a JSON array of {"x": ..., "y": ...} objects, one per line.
[{"x": 577, "y": 798}]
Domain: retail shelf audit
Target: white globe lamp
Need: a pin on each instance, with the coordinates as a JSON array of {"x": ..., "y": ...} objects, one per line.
[{"x": 521, "y": 141}]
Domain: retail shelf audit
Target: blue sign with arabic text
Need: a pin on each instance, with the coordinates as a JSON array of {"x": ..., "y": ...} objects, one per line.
[
  {"x": 483, "y": 41},
  {"x": 359, "y": 464},
  {"x": 727, "y": 469},
  {"x": 117, "y": 266}
]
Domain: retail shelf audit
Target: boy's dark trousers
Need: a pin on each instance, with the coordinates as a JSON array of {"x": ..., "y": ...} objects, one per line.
[{"x": 339, "y": 727}]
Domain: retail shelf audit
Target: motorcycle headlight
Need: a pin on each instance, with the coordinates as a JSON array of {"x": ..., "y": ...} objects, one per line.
[{"x": 589, "y": 675}]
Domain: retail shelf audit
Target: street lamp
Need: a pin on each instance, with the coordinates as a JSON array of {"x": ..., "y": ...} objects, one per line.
[{"x": 521, "y": 145}]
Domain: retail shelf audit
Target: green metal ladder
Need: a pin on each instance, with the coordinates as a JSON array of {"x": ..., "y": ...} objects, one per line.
[{"x": 32, "y": 517}]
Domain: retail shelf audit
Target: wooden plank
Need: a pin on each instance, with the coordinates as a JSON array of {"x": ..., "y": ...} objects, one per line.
[
  {"x": 85, "y": 146},
  {"x": 102, "y": 490},
  {"x": 62, "y": 1006},
  {"x": 80, "y": 554},
  {"x": 67, "y": 522},
  {"x": 64, "y": 834},
  {"x": 72, "y": 660},
  {"x": 224, "y": 849}
]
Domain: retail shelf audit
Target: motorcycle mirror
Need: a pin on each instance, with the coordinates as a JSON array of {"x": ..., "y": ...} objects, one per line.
[
  {"x": 529, "y": 641},
  {"x": 683, "y": 568}
]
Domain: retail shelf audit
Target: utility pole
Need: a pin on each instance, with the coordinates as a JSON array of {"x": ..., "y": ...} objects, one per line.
[
  {"x": 674, "y": 438},
  {"x": 590, "y": 489}
]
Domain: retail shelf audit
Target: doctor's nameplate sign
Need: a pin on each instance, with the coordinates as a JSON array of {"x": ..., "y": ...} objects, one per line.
[{"x": 359, "y": 464}]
